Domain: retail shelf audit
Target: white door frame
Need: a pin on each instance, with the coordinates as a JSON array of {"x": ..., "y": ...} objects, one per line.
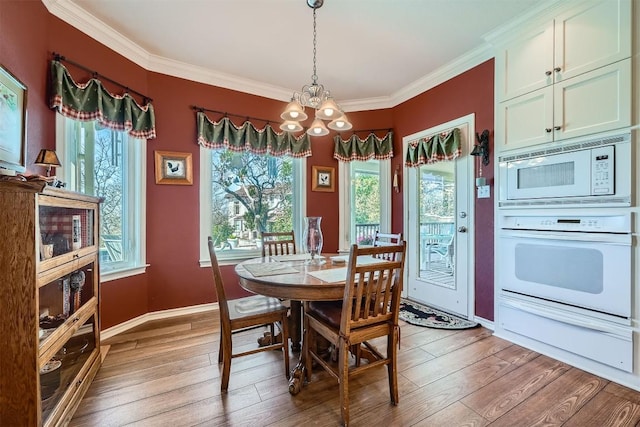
[{"x": 469, "y": 121}]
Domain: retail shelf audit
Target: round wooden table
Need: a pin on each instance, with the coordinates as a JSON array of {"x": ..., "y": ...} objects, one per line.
[{"x": 295, "y": 286}]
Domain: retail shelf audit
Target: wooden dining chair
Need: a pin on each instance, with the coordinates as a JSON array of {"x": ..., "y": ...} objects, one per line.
[
  {"x": 386, "y": 239},
  {"x": 242, "y": 314},
  {"x": 278, "y": 243},
  {"x": 370, "y": 307}
]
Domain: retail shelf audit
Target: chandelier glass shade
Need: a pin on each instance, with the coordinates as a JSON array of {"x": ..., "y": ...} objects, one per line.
[{"x": 316, "y": 97}]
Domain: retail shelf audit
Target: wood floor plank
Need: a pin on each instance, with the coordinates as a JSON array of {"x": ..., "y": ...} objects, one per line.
[
  {"x": 454, "y": 342},
  {"x": 455, "y": 414},
  {"x": 499, "y": 397},
  {"x": 426, "y": 401},
  {"x": 440, "y": 367},
  {"x": 606, "y": 410},
  {"x": 555, "y": 403}
]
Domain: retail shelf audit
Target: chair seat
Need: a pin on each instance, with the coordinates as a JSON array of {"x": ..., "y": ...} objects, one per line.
[
  {"x": 257, "y": 305},
  {"x": 328, "y": 312}
]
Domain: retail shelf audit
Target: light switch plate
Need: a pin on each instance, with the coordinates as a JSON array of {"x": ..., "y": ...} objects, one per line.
[{"x": 484, "y": 192}]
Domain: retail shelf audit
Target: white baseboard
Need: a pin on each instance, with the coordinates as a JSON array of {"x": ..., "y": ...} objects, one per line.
[
  {"x": 486, "y": 323},
  {"x": 156, "y": 315}
]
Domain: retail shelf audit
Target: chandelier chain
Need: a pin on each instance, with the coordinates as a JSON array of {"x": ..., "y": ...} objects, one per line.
[{"x": 314, "y": 77}]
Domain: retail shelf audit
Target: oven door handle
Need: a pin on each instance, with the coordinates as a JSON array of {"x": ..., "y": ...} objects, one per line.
[
  {"x": 606, "y": 238},
  {"x": 567, "y": 318}
]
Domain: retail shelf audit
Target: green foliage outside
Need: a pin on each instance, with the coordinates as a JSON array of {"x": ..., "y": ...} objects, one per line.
[{"x": 261, "y": 184}]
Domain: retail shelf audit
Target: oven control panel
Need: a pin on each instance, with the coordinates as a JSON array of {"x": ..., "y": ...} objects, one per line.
[{"x": 600, "y": 223}]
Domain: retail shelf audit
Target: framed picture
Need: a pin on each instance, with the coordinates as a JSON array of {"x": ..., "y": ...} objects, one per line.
[
  {"x": 173, "y": 168},
  {"x": 13, "y": 116},
  {"x": 323, "y": 179}
]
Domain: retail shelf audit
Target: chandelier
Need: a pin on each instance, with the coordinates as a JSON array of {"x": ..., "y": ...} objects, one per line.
[{"x": 316, "y": 97}]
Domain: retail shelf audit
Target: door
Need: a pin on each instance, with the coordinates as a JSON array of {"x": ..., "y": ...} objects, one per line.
[{"x": 436, "y": 206}]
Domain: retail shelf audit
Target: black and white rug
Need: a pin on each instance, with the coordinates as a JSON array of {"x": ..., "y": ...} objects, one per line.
[{"x": 422, "y": 315}]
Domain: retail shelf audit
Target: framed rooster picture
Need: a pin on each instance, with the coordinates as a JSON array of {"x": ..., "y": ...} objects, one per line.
[{"x": 173, "y": 168}]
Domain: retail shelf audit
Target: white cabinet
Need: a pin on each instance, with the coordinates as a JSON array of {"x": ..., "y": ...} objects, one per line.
[
  {"x": 589, "y": 103},
  {"x": 584, "y": 38}
]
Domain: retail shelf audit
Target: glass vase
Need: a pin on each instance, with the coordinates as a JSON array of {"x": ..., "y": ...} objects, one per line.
[{"x": 312, "y": 238}]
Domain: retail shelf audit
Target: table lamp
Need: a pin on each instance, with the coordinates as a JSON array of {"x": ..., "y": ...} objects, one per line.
[{"x": 47, "y": 158}]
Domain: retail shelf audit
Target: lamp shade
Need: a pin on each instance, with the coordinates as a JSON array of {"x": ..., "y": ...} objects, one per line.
[
  {"x": 328, "y": 110},
  {"x": 294, "y": 111},
  {"x": 318, "y": 128},
  {"x": 47, "y": 158},
  {"x": 291, "y": 126},
  {"x": 340, "y": 123}
]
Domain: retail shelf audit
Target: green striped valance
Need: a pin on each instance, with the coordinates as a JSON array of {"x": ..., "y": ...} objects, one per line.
[
  {"x": 224, "y": 134},
  {"x": 436, "y": 148},
  {"x": 355, "y": 148},
  {"x": 91, "y": 101}
]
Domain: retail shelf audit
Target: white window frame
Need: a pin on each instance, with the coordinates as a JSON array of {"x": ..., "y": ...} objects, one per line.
[
  {"x": 299, "y": 210},
  {"x": 136, "y": 201},
  {"x": 344, "y": 177}
]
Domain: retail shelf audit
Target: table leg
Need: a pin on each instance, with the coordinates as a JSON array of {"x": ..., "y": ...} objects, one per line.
[{"x": 295, "y": 325}]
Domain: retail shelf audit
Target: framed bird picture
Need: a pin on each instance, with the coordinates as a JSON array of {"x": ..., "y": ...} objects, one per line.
[
  {"x": 173, "y": 168},
  {"x": 323, "y": 179}
]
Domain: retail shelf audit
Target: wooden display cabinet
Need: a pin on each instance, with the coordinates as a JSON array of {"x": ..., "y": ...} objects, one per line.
[{"x": 49, "y": 302}]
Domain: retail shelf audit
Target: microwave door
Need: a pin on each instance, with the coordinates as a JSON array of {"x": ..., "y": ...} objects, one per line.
[{"x": 559, "y": 175}]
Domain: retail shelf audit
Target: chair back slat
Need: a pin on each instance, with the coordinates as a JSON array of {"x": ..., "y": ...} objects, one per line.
[
  {"x": 278, "y": 243},
  {"x": 386, "y": 239},
  {"x": 372, "y": 291}
]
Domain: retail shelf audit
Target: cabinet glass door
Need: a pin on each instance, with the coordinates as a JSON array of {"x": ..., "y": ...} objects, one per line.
[
  {"x": 64, "y": 230},
  {"x": 59, "y": 373}
]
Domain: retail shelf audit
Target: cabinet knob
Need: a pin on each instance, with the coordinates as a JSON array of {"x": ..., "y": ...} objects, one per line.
[
  {"x": 557, "y": 127},
  {"x": 557, "y": 69},
  {"x": 548, "y": 73},
  {"x": 548, "y": 130}
]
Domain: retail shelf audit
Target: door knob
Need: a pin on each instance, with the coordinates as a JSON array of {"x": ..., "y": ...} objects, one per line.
[
  {"x": 463, "y": 214},
  {"x": 462, "y": 229}
]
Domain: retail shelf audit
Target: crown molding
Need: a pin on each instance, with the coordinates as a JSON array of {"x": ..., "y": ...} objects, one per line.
[
  {"x": 75, "y": 16},
  {"x": 444, "y": 73},
  {"x": 228, "y": 81}
]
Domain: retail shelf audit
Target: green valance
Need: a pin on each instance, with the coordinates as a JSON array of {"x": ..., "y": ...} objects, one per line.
[
  {"x": 91, "y": 101},
  {"x": 224, "y": 134},
  {"x": 355, "y": 148},
  {"x": 437, "y": 148}
]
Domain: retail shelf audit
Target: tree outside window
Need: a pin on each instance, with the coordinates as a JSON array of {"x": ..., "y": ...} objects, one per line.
[{"x": 251, "y": 194}]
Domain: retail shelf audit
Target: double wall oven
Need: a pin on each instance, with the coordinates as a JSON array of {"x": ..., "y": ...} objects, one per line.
[{"x": 564, "y": 269}]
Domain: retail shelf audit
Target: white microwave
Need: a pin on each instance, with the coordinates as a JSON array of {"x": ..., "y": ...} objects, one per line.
[{"x": 593, "y": 172}]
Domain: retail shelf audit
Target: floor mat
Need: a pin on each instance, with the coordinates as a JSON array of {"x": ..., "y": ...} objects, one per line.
[{"x": 422, "y": 315}]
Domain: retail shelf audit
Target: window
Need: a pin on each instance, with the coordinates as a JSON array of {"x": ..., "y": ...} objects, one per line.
[
  {"x": 365, "y": 200},
  {"x": 243, "y": 194},
  {"x": 110, "y": 164}
]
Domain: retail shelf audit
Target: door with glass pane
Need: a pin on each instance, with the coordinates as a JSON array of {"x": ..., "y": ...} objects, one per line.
[{"x": 436, "y": 219}]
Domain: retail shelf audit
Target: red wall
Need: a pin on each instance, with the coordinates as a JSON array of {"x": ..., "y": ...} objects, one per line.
[
  {"x": 470, "y": 92},
  {"x": 174, "y": 279}
]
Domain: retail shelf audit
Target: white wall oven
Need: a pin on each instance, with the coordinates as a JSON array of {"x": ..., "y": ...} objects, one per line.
[
  {"x": 591, "y": 172},
  {"x": 565, "y": 280}
]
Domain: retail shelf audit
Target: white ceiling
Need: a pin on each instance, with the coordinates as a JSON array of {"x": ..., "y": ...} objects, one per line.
[{"x": 370, "y": 53}]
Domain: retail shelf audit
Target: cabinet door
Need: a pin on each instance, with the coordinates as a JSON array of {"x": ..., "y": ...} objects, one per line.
[
  {"x": 593, "y": 102},
  {"x": 525, "y": 65},
  {"x": 592, "y": 36},
  {"x": 526, "y": 120}
]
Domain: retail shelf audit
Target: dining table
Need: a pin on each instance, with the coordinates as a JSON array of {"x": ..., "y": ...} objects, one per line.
[{"x": 296, "y": 278}]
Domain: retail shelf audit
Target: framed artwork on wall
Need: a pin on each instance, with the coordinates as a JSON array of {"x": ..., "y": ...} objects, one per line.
[
  {"x": 13, "y": 117},
  {"x": 173, "y": 168},
  {"x": 323, "y": 178}
]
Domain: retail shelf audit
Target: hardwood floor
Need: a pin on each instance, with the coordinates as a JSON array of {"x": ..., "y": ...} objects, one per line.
[{"x": 165, "y": 373}]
